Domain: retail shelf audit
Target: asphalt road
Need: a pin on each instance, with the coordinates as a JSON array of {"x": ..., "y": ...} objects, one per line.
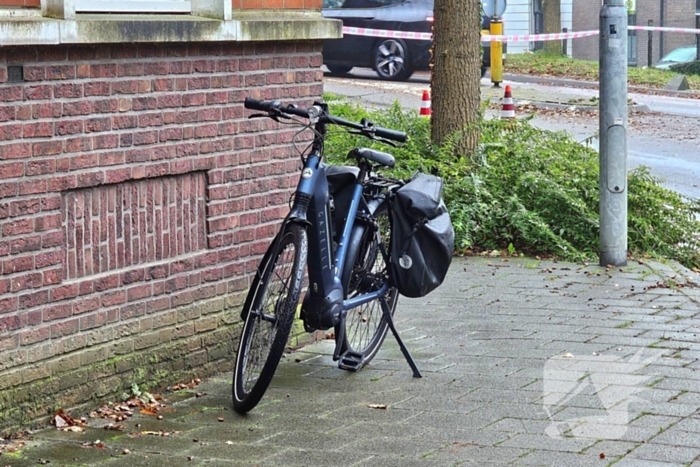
[{"x": 664, "y": 136}]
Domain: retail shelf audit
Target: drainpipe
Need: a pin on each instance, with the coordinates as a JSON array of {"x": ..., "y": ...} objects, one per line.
[{"x": 662, "y": 7}]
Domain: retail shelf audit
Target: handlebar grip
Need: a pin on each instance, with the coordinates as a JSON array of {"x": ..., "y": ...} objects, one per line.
[
  {"x": 255, "y": 104},
  {"x": 394, "y": 135}
]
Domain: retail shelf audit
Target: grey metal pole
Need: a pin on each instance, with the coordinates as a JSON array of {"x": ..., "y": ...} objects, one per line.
[
  {"x": 650, "y": 47},
  {"x": 613, "y": 133}
]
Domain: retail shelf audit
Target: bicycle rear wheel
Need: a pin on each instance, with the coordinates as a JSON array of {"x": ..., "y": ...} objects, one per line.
[
  {"x": 269, "y": 310},
  {"x": 365, "y": 326}
]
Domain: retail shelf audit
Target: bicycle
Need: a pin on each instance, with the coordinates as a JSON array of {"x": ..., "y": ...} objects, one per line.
[{"x": 342, "y": 239}]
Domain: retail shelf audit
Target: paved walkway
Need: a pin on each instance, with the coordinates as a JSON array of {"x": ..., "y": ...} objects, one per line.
[{"x": 525, "y": 363}]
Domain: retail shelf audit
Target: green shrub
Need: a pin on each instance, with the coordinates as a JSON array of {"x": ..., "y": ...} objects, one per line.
[
  {"x": 690, "y": 68},
  {"x": 531, "y": 190}
]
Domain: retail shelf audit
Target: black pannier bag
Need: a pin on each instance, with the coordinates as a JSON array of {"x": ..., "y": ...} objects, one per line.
[{"x": 422, "y": 237}]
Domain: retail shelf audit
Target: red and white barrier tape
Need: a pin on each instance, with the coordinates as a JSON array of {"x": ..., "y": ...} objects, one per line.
[
  {"x": 652, "y": 28},
  {"x": 426, "y": 36},
  {"x": 538, "y": 37}
]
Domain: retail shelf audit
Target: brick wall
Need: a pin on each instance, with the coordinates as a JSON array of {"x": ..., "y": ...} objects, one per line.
[
  {"x": 135, "y": 201},
  {"x": 677, "y": 13}
]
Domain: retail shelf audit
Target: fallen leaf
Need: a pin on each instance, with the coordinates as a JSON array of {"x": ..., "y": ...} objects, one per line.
[
  {"x": 74, "y": 429},
  {"x": 112, "y": 426}
]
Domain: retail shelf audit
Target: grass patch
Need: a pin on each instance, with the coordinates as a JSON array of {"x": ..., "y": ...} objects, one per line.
[
  {"x": 529, "y": 190},
  {"x": 545, "y": 64}
]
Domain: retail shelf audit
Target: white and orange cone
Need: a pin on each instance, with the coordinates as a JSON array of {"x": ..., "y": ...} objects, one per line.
[
  {"x": 508, "y": 110},
  {"x": 425, "y": 105}
]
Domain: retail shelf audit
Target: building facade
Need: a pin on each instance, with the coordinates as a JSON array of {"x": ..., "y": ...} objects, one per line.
[
  {"x": 136, "y": 197},
  {"x": 664, "y": 13}
]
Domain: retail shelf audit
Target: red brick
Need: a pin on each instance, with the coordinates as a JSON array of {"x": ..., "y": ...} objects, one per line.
[
  {"x": 156, "y": 68},
  {"x": 15, "y": 150},
  {"x": 65, "y": 328},
  {"x": 53, "y": 276},
  {"x": 32, "y": 300},
  {"x": 124, "y": 121},
  {"x": 103, "y": 70},
  {"x": 47, "y": 148},
  {"x": 180, "y": 67},
  {"x": 125, "y": 87},
  {"x": 99, "y": 88},
  {"x": 68, "y": 90},
  {"x": 109, "y": 141},
  {"x": 55, "y": 72},
  {"x": 41, "y": 167},
  {"x": 195, "y": 99},
  {"x": 145, "y": 137},
  {"x": 90, "y": 179},
  {"x": 11, "y": 94},
  {"x": 68, "y": 127},
  {"x": 113, "y": 298},
  {"x": 86, "y": 304},
  {"x": 84, "y": 161},
  {"x": 39, "y": 92},
  {"x": 47, "y": 222},
  {"x": 169, "y": 134},
  {"x": 54, "y": 312},
  {"x": 11, "y": 170},
  {"x": 144, "y": 103},
  {"x": 27, "y": 281},
  {"x": 169, "y": 101},
  {"x": 38, "y": 130},
  {"x": 105, "y": 106},
  {"x": 7, "y": 305},
  {"x": 10, "y": 132},
  {"x": 25, "y": 244},
  {"x": 62, "y": 183},
  {"x": 76, "y": 108},
  {"x": 151, "y": 119},
  {"x": 32, "y": 336},
  {"x": 117, "y": 175},
  {"x": 64, "y": 292},
  {"x": 130, "y": 69},
  {"x": 94, "y": 125},
  {"x": 50, "y": 258}
]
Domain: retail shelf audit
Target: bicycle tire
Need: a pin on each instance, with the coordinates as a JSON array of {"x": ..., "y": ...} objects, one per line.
[
  {"x": 365, "y": 326},
  {"x": 269, "y": 310}
]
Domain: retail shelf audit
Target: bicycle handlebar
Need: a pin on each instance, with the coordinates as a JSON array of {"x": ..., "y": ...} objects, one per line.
[{"x": 366, "y": 127}]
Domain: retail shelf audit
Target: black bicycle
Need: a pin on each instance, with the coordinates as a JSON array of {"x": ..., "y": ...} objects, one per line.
[{"x": 338, "y": 227}]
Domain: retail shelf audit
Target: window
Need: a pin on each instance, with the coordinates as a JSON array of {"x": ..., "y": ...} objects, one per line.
[{"x": 632, "y": 40}]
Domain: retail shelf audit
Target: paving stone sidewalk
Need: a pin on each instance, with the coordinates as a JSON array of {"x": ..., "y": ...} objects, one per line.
[{"x": 525, "y": 363}]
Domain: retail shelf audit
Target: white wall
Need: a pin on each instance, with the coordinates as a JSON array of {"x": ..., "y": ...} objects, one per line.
[{"x": 518, "y": 20}]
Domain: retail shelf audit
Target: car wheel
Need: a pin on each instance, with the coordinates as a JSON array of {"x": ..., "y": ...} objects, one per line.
[
  {"x": 338, "y": 69},
  {"x": 391, "y": 60}
]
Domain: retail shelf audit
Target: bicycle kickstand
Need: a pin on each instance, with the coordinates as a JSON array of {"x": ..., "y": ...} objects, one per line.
[{"x": 404, "y": 350}]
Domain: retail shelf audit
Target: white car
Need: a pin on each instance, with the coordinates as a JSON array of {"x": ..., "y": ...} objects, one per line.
[{"x": 679, "y": 55}]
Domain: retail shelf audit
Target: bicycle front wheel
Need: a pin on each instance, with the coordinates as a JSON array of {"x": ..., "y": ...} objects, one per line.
[
  {"x": 269, "y": 310},
  {"x": 365, "y": 326}
]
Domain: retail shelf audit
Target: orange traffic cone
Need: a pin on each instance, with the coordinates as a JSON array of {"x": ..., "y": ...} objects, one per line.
[
  {"x": 425, "y": 104},
  {"x": 508, "y": 110}
]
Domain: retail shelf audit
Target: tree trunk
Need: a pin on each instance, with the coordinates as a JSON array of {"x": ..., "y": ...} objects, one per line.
[
  {"x": 456, "y": 72},
  {"x": 551, "y": 15}
]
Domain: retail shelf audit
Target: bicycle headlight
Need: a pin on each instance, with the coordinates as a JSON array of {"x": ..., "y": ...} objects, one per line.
[{"x": 314, "y": 113}]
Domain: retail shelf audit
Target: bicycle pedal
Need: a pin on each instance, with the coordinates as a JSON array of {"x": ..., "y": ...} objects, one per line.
[{"x": 351, "y": 361}]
